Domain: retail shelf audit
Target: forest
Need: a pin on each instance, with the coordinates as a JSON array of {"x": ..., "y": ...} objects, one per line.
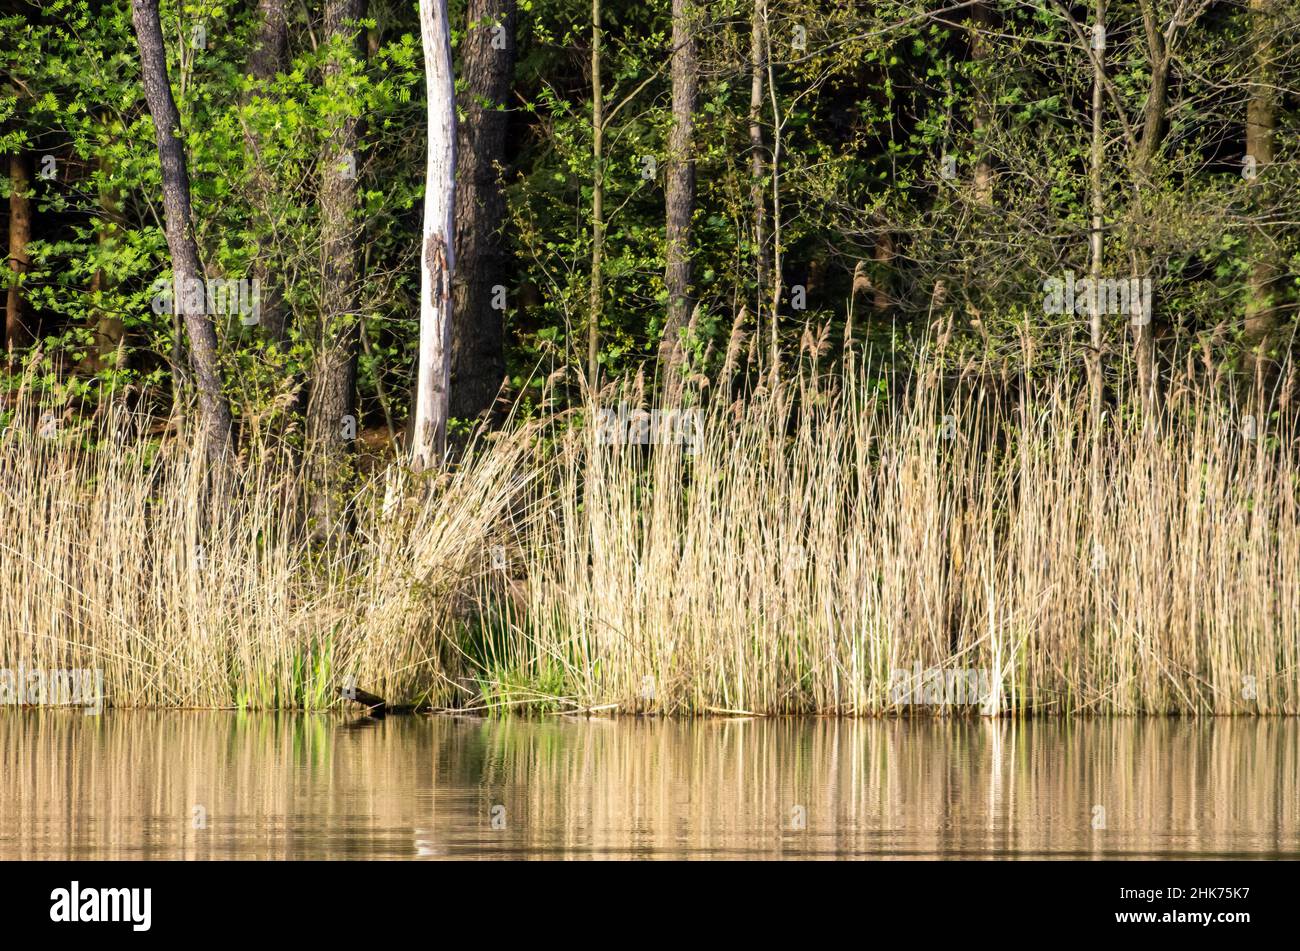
[{"x": 681, "y": 356}]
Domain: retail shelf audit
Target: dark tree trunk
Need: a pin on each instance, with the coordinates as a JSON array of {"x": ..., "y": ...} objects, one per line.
[
  {"x": 270, "y": 49},
  {"x": 1263, "y": 276},
  {"x": 982, "y": 20},
  {"x": 597, "y": 297},
  {"x": 332, "y": 395},
  {"x": 885, "y": 254},
  {"x": 477, "y": 342},
  {"x": 757, "y": 163},
  {"x": 272, "y": 40},
  {"x": 17, "y": 332},
  {"x": 680, "y": 197},
  {"x": 1096, "y": 235},
  {"x": 214, "y": 410},
  {"x": 1153, "y": 130},
  {"x": 109, "y": 329}
]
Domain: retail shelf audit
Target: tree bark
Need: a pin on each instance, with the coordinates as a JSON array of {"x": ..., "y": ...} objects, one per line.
[
  {"x": 778, "y": 274},
  {"x": 332, "y": 393},
  {"x": 757, "y": 163},
  {"x": 981, "y": 18},
  {"x": 17, "y": 332},
  {"x": 266, "y": 60},
  {"x": 214, "y": 409},
  {"x": 680, "y": 192},
  {"x": 1098, "y": 209},
  {"x": 109, "y": 329},
  {"x": 597, "y": 204},
  {"x": 1153, "y": 113},
  {"x": 437, "y": 257},
  {"x": 1264, "y": 273},
  {"x": 885, "y": 254},
  {"x": 1153, "y": 127},
  {"x": 478, "y": 362},
  {"x": 272, "y": 40}
]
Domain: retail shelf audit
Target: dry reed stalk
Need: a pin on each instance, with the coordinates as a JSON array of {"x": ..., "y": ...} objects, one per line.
[{"x": 815, "y": 539}]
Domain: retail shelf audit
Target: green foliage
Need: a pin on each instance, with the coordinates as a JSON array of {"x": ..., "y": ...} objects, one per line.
[{"x": 865, "y": 106}]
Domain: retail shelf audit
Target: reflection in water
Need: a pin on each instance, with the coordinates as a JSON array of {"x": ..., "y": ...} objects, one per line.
[{"x": 233, "y": 785}]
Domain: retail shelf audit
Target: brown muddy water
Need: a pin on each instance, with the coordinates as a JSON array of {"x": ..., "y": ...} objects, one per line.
[{"x": 225, "y": 785}]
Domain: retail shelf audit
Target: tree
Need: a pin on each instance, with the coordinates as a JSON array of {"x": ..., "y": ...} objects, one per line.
[
  {"x": 757, "y": 164},
  {"x": 1097, "y": 202},
  {"x": 982, "y": 20},
  {"x": 268, "y": 56},
  {"x": 187, "y": 272},
  {"x": 332, "y": 394},
  {"x": 680, "y": 194},
  {"x": 478, "y": 362},
  {"x": 1261, "y": 120},
  {"x": 109, "y": 330},
  {"x": 597, "y": 203},
  {"x": 17, "y": 333},
  {"x": 437, "y": 249}
]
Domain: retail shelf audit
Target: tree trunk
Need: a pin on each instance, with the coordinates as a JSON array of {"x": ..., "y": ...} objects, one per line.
[
  {"x": 1098, "y": 209},
  {"x": 1263, "y": 274},
  {"x": 680, "y": 192},
  {"x": 757, "y": 163},
  {"x": 981, "y": 18},
  {"x": 214, "y": 410},
  {"x": 1153, "y": 113},
  {"x": 478, "y": 362},
  {"x": 597, "y": 204},
  {"x": 109, "y": 330},
  {"x": 332, "y": 394},
  {"x": 17, "y": 332},
  {"x": 885, "y": 254},
  {"x": 778, "y": 274},
  {"x": 267, "y": 59},
  {"x": 1098, "y": 154},
  {"x": 437, "y": 257},
  {"x": 272, "y": 40},
  {"x": 1153, "y": 126}
]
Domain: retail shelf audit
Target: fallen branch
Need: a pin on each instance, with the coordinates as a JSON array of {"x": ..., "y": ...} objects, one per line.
[{"x": 375, "y": 706}]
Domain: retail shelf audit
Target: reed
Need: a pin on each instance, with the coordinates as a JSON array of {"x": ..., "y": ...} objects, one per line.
[
  {"x": 813, "y": 540},
  {"x": 821, "y": 538}
]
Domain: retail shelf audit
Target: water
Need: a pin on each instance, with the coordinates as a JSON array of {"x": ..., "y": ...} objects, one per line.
[{"x": 262, "y": 786}]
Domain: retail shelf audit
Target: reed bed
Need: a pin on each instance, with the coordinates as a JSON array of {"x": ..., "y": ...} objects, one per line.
[
  {"x": 813, "y": 540},
  {"x": 194, "y": 588}
]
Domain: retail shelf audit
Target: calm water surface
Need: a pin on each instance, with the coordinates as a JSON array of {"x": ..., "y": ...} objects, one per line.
[{"x": 233, "y": 785}]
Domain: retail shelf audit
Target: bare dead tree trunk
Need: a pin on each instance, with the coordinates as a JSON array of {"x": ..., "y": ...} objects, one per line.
[
  {"x": 680, "y": 193},
  {"x": 267, "y": 59},
  {"x": 597, "y": 204},
  {"x": 478, "y": 362},
  {"x": 214, "y": 409},
  {"x": 437, "y": 257},
  {"x": 332, "y": 391},
  {"x": 17, "y": 333}
]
